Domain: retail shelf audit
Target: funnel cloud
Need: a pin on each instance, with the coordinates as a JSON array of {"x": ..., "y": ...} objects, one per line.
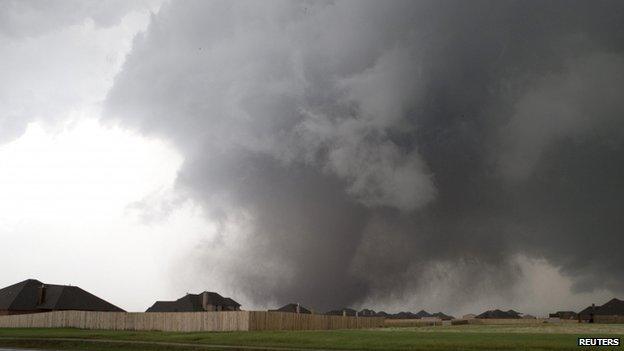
[{"x": 356, "y": 152}]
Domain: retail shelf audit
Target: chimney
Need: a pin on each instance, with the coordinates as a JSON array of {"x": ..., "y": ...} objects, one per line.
[
  {"x": 205, "y": 300},
  {"x": 42, "y": 294},
  {"x": 298, "y": 308},
  {"x": 344, "y": 313}
]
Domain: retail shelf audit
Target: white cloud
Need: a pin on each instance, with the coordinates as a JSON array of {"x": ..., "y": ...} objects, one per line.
[
  {"x": 64, "y": 212},
  {"x": 68, "y": 182},
  {"x": 69, "y": 69},
  {"x": 24, "y": 18}
]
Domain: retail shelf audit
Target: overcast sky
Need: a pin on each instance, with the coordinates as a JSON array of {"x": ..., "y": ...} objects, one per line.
[{"x": 451, "y": 156}]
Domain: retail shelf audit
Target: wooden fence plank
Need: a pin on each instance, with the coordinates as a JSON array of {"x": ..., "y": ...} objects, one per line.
[{"x": 188, "y": 321}]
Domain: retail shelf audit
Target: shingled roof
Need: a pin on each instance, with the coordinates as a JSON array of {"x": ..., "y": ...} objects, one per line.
[
  {"x": 193, "y": 303},
  {"x": 614, "y": 307},
  {"x": 383, "y": 314},
  {"x": 292, "y": 307},
  {"x": 25, "y": 296},
  {"x": 423, "y": 314}
]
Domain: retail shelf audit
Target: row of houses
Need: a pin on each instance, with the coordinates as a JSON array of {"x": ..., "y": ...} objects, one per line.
[
  {"x": 297, "y": 308},
  {"x": 614, "y": 308},
  {"x": 33, "y": 296}
]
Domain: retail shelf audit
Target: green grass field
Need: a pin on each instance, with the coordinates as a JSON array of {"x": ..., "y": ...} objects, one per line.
[{"x": 464, "y": 337}]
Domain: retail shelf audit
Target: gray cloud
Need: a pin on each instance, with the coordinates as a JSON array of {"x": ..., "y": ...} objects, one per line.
[
  {"x": 359, "y": 150},
  {"x": 59, "y": 56},
  {"x": 30, "y": 18},
  {"x": 582, "y": 101}
]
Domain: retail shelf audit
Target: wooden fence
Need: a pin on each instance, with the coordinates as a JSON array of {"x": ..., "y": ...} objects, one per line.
[
  {"x": 187, "y": 321},
  {"x": 260, "y": 320}
]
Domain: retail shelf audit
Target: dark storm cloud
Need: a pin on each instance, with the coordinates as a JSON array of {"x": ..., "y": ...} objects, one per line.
[{"x": 365, "y": 148}]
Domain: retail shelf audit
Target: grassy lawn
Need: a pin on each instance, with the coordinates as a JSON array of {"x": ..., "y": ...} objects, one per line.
[{"x": 464, "y": 337}]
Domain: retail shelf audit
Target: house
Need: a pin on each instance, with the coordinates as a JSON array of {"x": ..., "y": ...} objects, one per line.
[
  {"x": 205, "y": 301},
  {"x": 423, "y": 314},
  {"x": 588, "y": 313},
  {"x": 33, "y": 296},
  {"x": 613, "y": 308},
  {"x": 383, "y": 314},
  {"x": 498, "y": 314},
  {"x": 292, "y": 308},
  {"x": 404, "y": 315},
  {"x": 564, "y": 315},
  {"x": 469, "y": 316}
]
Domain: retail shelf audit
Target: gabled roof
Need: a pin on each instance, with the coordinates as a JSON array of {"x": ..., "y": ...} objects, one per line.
[
  {"x": 588, "y": 310},
  {"x": 612, "y": 308},
  {"x": 192, "y": 303},
  {"x": 229, "y": 302},
  {"x": 60, "y": 297},
  {"x": 24, "y": 296},
  {"x": 292, "y": 307},
  {"x": 423, "y": 313},
  {"x": 21, "y": 296},
  {"x": 164, "y": 306},
  {"x": 187, "y": 303}
]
